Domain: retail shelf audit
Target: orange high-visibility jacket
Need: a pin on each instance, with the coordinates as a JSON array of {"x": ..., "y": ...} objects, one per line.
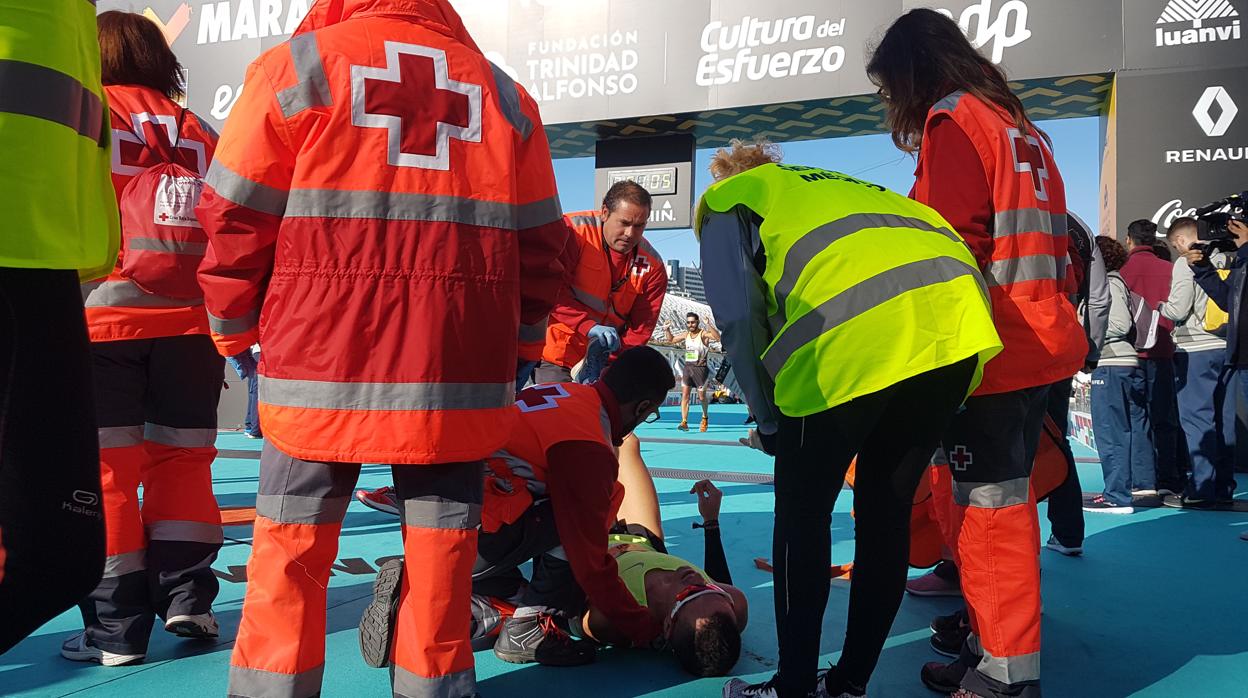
[
  {"x": 382, "y": 217},
  {"x": 1042, "y": 337},
  {"x": 116, "y": 307},
  {"x": 595, "y": 295}
]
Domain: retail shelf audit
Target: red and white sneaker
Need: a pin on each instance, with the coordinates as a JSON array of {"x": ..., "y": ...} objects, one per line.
[
  {"x": 932, "y": 584},
  {"x": 382, "y": 499}
]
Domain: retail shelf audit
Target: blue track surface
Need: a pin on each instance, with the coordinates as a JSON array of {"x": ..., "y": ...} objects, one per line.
[{"x": 1156, "y": 607}]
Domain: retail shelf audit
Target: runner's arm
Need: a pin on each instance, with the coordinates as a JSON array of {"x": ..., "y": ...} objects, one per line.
[{"x": 581, "y": 477}]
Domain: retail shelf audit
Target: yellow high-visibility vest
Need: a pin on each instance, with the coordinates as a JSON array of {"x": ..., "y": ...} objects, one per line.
[
  {"x": 865, "y": 287},
  {"x": 57, "y": 206}
]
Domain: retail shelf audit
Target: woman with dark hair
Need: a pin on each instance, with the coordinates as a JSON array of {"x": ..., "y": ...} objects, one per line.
[
  {"x": 157, "y": 375},
  {"x": 1119, "y": 396},
  {"x": 988, "y": 170}
]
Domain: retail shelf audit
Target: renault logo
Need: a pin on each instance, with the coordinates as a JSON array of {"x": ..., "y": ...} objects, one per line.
[{"x": 1204, "y": 106}]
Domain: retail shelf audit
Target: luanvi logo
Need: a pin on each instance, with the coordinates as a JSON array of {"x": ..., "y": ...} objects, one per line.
[{"x": 1211, "y": 20}]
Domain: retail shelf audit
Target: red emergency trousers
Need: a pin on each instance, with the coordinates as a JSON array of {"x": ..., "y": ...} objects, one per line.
[
  {"x": 157, "y": 381},
  {"x": 997, "y": 530},
  {"x": 382, "y": 217}
]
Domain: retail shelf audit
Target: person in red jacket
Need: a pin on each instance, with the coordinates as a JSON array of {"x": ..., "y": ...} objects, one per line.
[
  {"x": 380, "y": 188},
  {"x": 1148, "y": 275},
  {"x": 157, "y": 381},
  {"x": 990, "y": 172},
  {"x": 614, "y": 289}
]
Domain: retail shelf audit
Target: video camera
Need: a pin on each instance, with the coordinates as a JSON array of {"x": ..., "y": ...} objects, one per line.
[{"x": 1213, "y": 222}]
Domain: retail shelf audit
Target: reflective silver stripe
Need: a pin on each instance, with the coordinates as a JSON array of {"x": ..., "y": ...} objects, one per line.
[
  {"x": 858, "y": 299},
  {"x": 509, "y": 102},
  {"x": 533, "y": 333},
  {"x": 816, "y": 241},
  {"x": 436, "y": 512},
  {"x": 649, "y": 249},
  {"x": 125, "y": 563},
  {"x": 1059, "y": 224},
  {"x": 43, "y": 93},
  {"x": 588, "y": 299},
  {"x": 296, "y": 509},
  {"x": 1035, "y": 267},
  {"x": 1010, "y": 670},
  {"x": 120, "y": 437},
  {"x": 236, "y": 325},
  {"x": 992, "y": 495},
  {"x": 257, "y": 683},
  {"x": 409, "y": 685},
  {"x": 949, "y": 103},
  {"x": 591, "y": 221},
  {"x": 107, "y": 294},
  {"x": 171, "y": 246},
  {"x": 604, "y": 420},
  {"x": 189, "y": 531},
  {"x": 1025, "y": 220},
  {"x": 398, "y": 206},
  {"x": 325, "y": 395},
  {"x": 237, "y": 189},
  {"x": 179, "y": 437},
  {"x": 312, "y": 90}
]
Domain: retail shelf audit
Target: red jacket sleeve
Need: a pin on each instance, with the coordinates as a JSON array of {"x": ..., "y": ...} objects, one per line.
[
  {"x": 959, "y": 188},
  {"x": 645, "y": 312},
  {"x": 569, "y": 311},
  {"x": 543, "y": 241},
  {"x": 581, "y": 477},
  {"x": 241, "y": 210}
]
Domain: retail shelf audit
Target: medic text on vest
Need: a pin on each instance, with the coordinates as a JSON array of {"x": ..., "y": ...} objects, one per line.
[{"x": 814, "y": 174}]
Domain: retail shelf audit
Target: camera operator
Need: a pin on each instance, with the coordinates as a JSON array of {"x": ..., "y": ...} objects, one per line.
[{"x": 1204, "y": 376}]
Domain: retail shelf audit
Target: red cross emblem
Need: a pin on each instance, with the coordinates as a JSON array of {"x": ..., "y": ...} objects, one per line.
[
  {"x": 540, "y": 397},
  {"x": 960, "y": 458},
  {"x": 421, "y": 108},
  {"x": 164, "y": 217},
  {"x": 132, "y": 153},
  {"x": 1029, "y": 157},
  {"x": 641, "y": 265}
]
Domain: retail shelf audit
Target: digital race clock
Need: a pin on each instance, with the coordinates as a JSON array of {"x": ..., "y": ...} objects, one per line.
[{"x": 659, "y": 181}]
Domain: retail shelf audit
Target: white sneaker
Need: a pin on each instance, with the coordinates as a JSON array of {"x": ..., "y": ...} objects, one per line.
[
  {"x": 1145, "y": 493},
  {"x": 737, "y": 688},
  {"x": 200, "y": 626},
  {"x": 76, "y": 649}
]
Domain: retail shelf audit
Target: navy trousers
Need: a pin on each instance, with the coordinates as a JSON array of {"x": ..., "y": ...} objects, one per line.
[
  {"x": 1206, "y": 396},
  {"x": 1171, "y": 457},
  {"x": 1123, "y": 437}
]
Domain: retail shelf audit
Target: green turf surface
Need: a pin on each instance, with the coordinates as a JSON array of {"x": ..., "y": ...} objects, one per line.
[{"x": 1155, "y": 608}]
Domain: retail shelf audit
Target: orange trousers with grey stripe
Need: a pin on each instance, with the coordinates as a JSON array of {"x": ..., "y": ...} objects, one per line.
[
  {"x": 988, "y": 512},
  {"x": 300, "y": 508},
  {"x": 156, "y": 407}
]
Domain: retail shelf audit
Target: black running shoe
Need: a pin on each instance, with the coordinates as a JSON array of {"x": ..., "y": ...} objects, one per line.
[
  {"x": 943, "y": 678},
  {"x": 950, "y": 644},
  {"x": 1180, "y": 501},
  {"x": 377, "y": 623},
  {"x": 538, "y": 638},
  {"x": 951, "y": 623}
]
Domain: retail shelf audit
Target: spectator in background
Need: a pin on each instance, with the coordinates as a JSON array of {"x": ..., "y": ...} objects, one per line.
[
  {"x": 1148, "y": 275},
  {"x": 1119, "y": 398},
  {"x": 1205, "y": 379},
  {"x": 246, "y": 365}
]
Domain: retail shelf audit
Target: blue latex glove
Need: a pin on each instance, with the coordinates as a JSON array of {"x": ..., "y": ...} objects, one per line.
[
  {"x": 605, "y": 336},
  {"x": 244, "y": 364},
  {"x": 594, "y": 364}
]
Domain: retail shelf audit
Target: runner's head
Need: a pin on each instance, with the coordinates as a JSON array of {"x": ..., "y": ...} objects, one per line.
[
  {"x": 133, "y": 51},
  {"x": 639, "y": 378},
  {"x": 923, "y": 58},
  {"x": 692, "y": 321},
  {"x": 625, "y": 212},
  {"x": 704, "y": 633}
]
